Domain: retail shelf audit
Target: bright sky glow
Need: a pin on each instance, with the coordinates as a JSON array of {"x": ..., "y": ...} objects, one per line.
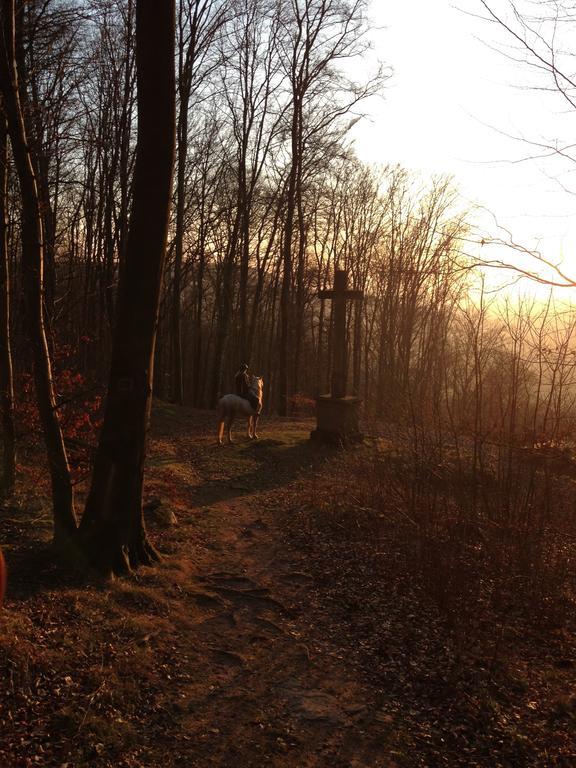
[{"x": 447, "y": 109}]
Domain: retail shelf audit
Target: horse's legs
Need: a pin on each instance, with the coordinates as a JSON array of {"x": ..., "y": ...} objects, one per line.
[
  {"x": 254, "y": 425},
  {"x": 221, "y": 418},
  {"x": 229, "y": 427},
  {"x": 220, "y": 429},
  {"x": 250, "y": 428}
]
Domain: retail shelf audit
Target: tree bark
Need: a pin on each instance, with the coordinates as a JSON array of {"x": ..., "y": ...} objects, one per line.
[
  {"x": 175, "y": 324},
  {"x": 112, "y": 533}
]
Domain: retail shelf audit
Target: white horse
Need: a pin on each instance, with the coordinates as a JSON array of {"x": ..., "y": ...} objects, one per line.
[{"x": 231, "y": 406}]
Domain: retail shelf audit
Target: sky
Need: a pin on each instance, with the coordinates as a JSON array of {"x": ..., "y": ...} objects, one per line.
[{"x": 452, "y": 105}]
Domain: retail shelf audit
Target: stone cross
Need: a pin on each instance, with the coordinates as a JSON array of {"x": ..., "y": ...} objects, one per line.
[{"x": 339, "y": 295}]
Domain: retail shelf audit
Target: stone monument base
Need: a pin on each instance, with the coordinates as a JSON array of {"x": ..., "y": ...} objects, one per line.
[{"x": 337, "y": 420}]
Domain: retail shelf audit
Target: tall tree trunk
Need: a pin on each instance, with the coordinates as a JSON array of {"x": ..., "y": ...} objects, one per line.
[
  {"x": 8, "y": 477},
  {"x": 226, "y": 309},
  {"x": 287, "y": 266},
  {"x": 176, "y": 309},
  {"x": 32, "y": 276},
  {"x": 112, "y": 532},
  {"x": 198, "y": 345},
  {"x": 223, "y": 324},
  {"x": 357, "y": 350},
  {"x": 318, "y": 380},
  {"x": 300, "y": 298},
  {"x": 245, "y": 204}
]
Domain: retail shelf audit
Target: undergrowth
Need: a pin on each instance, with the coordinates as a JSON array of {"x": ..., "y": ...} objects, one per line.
[{"x": 479, "y": 545}]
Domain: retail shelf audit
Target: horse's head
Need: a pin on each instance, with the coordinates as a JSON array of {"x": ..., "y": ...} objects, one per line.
[{"x": 257, "y": 386}]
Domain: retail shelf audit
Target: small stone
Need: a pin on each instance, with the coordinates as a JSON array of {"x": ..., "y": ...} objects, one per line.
[{"x": 160, "y": 514}]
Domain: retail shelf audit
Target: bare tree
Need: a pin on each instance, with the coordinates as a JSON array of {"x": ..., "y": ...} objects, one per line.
[
  {"x": 112, "y": 530},
  {"x": 32, "y": 269},
  {"x": 46, "y": 35},
  {"x": 199, "y": 23},
  {"x": 537, "y": 37},
  {"x": 250, "y": 84},
  {"x": 318, "y": 34}
]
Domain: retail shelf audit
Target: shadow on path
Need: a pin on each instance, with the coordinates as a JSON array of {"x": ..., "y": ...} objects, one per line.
[{"x": 278, "y": 464}]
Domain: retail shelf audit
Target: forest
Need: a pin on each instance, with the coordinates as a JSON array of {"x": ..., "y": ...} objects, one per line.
[{"x": 179, "y": 188}]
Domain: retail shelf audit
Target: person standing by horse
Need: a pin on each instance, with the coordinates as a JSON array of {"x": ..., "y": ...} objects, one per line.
[
  {"x": 241, "y": 381},
  {"x": 242, "y": 386}
]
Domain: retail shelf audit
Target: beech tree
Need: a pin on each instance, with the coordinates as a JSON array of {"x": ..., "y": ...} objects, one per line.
[{"x": 112, "y": 531}]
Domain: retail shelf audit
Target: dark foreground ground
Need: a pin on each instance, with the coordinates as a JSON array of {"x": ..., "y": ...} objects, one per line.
[{"x": 258, "y": 641}]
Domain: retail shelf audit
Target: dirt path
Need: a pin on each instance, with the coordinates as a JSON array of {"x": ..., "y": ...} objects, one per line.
[
  {"x": 223, "y": 655},
  {"x": 256, "y": 684}
]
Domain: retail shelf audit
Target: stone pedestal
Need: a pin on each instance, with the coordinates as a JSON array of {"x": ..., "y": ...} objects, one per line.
[{"x": 337, "y": 420}]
